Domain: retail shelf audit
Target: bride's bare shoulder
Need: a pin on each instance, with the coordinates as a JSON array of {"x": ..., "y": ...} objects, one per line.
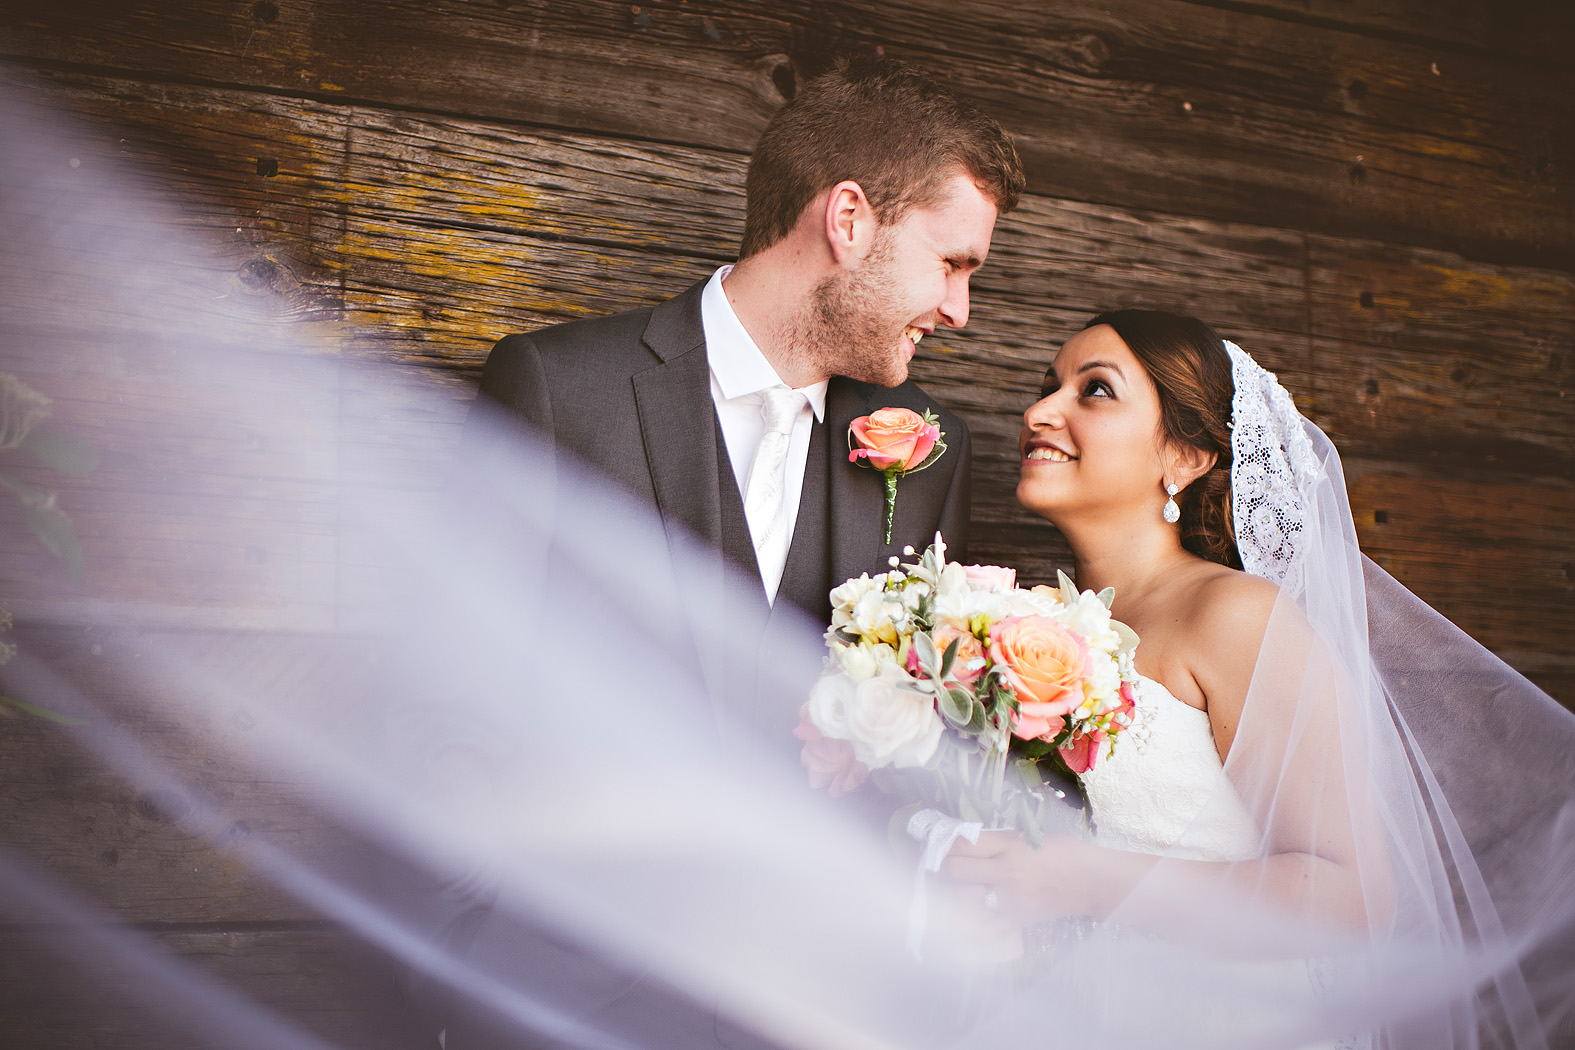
[{"x": 1232, "y": 606}]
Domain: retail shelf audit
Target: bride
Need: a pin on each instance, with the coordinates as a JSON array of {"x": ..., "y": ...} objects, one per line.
[{"x": 1288, "y": 802}]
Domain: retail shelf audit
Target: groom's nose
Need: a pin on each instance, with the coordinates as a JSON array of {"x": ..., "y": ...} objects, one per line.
[{"x": 954, "y": 309}]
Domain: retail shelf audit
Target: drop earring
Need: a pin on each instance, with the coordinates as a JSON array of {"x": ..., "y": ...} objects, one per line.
[{"x": 1172, "y": 512}]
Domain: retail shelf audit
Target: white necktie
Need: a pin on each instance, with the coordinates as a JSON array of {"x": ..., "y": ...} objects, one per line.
[{"x": 764, "y": 505}]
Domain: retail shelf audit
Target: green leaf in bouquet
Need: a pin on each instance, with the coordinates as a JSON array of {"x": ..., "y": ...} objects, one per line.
[
  {"x": 1108, "y": 595},
  {"x": 55, "y": 531},
  {"x": 1028, "y": 769},
  {"x": 66, "y": 453},
  {"x": 979, "y": 716},
  {"x": 1068, "y": 588},
  {"x": 956, "y": 706},
  {"x": 1129, "y": 637},
  {"x": 929, "y": 659},
  {"x": 949, "y": 657}
]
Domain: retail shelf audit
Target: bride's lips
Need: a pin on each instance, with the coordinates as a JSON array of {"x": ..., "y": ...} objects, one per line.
[{"x": 1041, "y": 451}]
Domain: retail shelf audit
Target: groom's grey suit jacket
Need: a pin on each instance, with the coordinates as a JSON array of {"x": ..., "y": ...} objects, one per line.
[{"x": 630, "y": 396}]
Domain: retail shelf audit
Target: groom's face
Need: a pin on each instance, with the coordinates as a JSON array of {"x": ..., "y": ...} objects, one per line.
[{"x": 913, "y": 280}]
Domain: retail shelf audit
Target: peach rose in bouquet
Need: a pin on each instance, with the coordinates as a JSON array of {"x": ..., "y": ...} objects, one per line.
[{"x": 1047, "y": 666}]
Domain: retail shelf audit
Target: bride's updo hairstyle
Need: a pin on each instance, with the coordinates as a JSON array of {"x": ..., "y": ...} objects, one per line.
[{"x": 1191, "y": 370}]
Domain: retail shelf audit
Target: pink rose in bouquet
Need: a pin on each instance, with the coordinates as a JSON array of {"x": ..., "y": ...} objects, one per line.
[
  {"x": 892, "y": 438},
  {"x": 990, "y": 577},
  {"x": 1081, "y": 752}
]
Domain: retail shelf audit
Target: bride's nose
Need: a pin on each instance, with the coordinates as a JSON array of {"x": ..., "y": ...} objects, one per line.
[{"x": 1046, "y": 412}]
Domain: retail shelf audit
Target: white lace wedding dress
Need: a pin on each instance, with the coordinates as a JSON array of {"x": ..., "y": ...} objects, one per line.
[{"x": 1163, "y": 790}]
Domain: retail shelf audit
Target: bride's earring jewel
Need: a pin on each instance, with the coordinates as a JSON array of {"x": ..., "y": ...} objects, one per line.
[
  {"x": 990, "y": 900},
  {"x": 1172, "y": 512}
]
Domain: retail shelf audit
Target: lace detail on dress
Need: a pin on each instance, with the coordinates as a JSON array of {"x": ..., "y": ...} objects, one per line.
[
  {"x": 1273, "y": 471},
  {"x": 1163, "y": 788}
]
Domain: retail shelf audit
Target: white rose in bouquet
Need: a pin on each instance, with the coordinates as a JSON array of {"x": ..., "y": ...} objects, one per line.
[
  {"x": 1041, "y": 601},
  {"x": 828, "y": 705},
  {"x": 888, "y": 721}
]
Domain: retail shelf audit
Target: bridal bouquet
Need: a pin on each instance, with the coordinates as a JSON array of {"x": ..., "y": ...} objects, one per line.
[{"x": 942, "y": 676}]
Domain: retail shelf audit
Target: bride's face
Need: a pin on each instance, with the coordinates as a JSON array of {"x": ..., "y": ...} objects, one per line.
[{"x": 1091, "y": 444}]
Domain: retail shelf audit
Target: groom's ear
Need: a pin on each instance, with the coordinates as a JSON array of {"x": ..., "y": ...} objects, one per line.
[
  {"x": 849, "y": 223},
  {"x": 1188, "y": 463}
]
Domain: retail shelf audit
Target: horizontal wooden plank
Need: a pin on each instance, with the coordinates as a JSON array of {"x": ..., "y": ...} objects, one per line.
[
  {"x": 57, "y": 989},
  {"x": 1535, "y": 30},
  {"x": 1495, "y": 559},
  {"x": 1422, "y": 353},
  {"x": 1150, "y": 103}
]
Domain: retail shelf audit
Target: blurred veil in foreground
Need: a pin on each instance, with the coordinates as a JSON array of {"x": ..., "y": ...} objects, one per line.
[{"x": 478, "y": 666}]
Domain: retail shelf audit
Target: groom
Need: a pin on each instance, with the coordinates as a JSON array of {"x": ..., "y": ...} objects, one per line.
[{"x": 872, "y": 197}]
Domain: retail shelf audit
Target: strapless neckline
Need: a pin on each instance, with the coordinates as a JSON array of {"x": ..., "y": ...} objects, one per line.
[{"x": 1163, "y": 788}]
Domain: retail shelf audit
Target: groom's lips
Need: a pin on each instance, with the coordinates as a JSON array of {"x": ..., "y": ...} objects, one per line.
[{"x": 913, "y": 333}]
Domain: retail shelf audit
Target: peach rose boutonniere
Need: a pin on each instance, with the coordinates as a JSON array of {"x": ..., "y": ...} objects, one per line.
[{"x": 895, "y": 441}]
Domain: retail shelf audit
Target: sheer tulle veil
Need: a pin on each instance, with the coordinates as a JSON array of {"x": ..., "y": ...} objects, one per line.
[{"x": 494, "y": 689}]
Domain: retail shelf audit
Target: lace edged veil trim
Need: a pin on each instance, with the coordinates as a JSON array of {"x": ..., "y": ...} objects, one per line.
[{"x": 1273, "y": 473}]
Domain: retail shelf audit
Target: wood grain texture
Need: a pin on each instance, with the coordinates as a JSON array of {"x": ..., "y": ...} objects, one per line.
[
  {"x": 1148, "y": 103},
  {"x": 147, "y": 807},
  {"x": 421, "y": 239},
  {"x": 1534, "y": 30},
  {"x": 56, "y": 990}
]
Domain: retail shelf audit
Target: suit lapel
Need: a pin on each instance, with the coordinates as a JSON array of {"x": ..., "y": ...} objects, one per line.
[
  {"x": 856, "y": 495},
  {"x": 679, "y": 431},
  {"x": 678, "y": 420}
]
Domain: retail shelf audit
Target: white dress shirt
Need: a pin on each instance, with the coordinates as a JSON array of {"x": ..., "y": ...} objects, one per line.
[{"x": 739, "y": 372}]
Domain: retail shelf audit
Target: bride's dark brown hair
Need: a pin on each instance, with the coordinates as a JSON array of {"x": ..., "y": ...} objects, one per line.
[{"x": 1190, "y": 368}]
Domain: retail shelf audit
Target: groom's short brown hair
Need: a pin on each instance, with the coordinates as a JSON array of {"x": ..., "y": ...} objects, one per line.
[{"x": 892, "y": 129}]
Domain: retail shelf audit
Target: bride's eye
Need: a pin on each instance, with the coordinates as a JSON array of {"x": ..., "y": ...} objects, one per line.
[
  {"x": 1098, "y": 388},
  {"x": 1049, "y": 386}
]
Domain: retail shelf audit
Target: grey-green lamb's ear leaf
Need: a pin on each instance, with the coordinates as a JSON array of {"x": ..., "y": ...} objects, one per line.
[
  {"x": 978, "y": 718},
  {"x": 949, "y": 657},
  {"x": 1068, "y": 588},
  {"x": 66, "y": 453},
  {"x": 1108, "y": 595},
  {"x": 929, "y": 659},
  {"x": 954, "y": 710}
]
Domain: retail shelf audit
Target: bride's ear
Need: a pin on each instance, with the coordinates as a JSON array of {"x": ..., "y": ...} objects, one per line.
[{"x": 1188, "y": 463}]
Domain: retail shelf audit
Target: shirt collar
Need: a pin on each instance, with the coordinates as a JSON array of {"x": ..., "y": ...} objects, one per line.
[{"x": 737, "y": 364}]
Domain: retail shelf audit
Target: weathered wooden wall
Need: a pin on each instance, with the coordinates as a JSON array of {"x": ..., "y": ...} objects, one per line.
[{"x": 1377, "y": 199}]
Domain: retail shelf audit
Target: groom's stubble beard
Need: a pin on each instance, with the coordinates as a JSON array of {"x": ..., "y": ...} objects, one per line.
[{"x": 851, "y": 326}]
